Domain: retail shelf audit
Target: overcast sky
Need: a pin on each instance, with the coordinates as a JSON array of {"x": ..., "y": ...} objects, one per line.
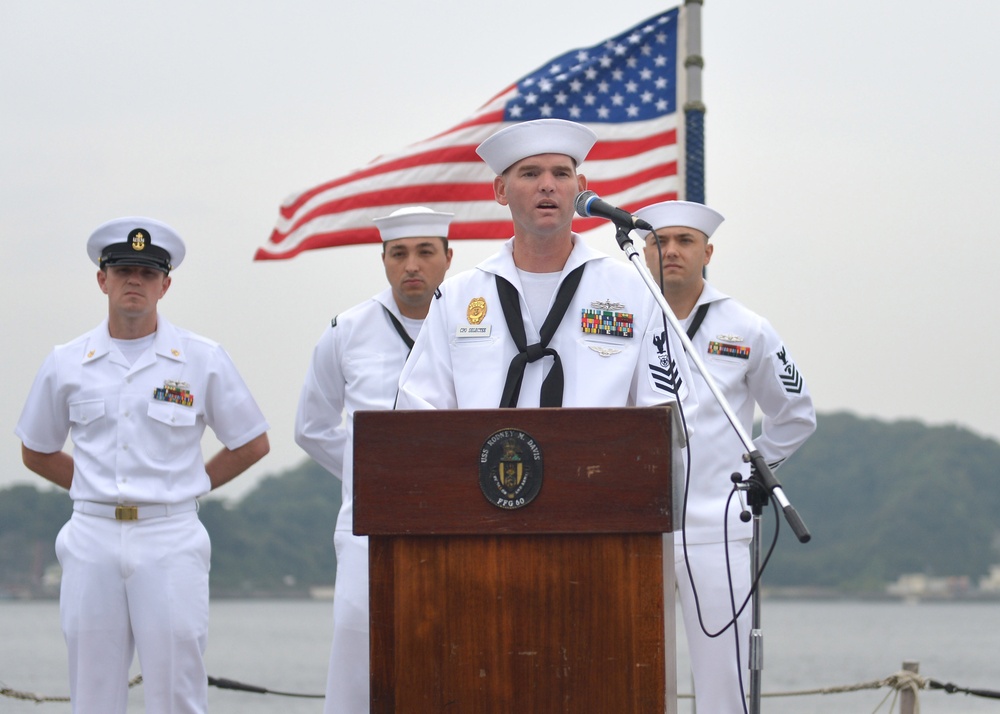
[{"x": 852, "y": 146}]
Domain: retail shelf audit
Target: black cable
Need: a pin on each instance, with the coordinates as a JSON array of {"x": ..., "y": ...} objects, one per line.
[
  {"x": 223, "y": 683},
  {"x": 687, "y": 484},
  {"x": 955, "y": 689}
]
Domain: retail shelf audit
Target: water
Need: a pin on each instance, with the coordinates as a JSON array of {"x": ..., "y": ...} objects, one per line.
[{"x": 283, "y": 646}]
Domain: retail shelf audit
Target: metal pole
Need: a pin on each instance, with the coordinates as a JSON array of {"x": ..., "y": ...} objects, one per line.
[
  {"x": 907, "y": 698},
  {"x": 694, "y": 108},
  {"x": 757, "y": 498}
]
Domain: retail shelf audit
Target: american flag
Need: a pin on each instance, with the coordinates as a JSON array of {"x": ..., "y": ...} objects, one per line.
[{"x": 624, "y": 88}]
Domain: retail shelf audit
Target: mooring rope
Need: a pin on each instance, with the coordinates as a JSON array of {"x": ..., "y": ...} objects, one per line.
[
  {"x": 39, "y": 698},
  {"x": 898, "y": 682}
]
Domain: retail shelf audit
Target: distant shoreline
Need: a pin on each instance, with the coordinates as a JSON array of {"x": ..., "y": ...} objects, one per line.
[
  {"x": 831, "y": 594},
  {"x": 773, "y": 594}
]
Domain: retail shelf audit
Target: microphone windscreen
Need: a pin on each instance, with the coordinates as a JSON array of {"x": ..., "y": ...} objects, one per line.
[{"x": 582, "y": 199}]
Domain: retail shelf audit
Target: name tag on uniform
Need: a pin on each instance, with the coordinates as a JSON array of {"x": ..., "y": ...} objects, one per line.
[{"x": 466, "y": 331}]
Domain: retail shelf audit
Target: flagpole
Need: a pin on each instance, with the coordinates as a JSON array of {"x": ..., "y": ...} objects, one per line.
[
  {"x": 694, "y": 108},
  {"x": 694, "y": 190}
]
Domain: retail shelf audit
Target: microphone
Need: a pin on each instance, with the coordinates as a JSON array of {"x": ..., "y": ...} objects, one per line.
[{"x": 589, "y": 204}]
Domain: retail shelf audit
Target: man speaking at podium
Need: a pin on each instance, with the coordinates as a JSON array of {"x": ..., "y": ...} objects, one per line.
[{"x": 546, "y": 321}]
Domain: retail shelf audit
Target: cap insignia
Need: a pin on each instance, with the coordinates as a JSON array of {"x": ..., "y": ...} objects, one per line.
[{"x": 138, "y": 239}]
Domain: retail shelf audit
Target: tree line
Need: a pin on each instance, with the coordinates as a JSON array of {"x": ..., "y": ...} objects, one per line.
[{"x": 880, "y": 499}]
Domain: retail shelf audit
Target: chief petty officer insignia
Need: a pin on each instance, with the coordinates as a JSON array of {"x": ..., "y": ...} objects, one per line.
[
  {"x": 475, "y": 313},
  {"x": 174, "y": 392},
  {"x": 138, "y": 239},
  {"x": 607, "y": 318},
  {"x": 476, "y": 310},
  {"x": 665, "y": 374}
]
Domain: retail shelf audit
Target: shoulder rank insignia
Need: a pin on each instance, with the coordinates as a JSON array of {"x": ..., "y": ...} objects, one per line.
[
  {"x": 660, "y": 341},
  {"x": 790, "y": 377},
  {"x": 665, "y": 375}
]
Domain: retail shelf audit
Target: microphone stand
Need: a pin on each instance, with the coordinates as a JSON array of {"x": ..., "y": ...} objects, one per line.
[
  {"x": 757, "y": 498},
  {"x": 760, "y": 471}
]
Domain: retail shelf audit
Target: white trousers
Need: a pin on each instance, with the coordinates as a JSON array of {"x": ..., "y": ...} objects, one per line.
[
  {"x": 132, "y": 586},
  {"x": 714, "y": 659},
  {"x": 347, "y": 682}
]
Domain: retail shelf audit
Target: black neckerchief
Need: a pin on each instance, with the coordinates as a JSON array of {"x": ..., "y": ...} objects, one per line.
[
  {"x": 552, "y": 385},
  {"x": 407, "y": 340},
  {"x": 696, "y": 322}
]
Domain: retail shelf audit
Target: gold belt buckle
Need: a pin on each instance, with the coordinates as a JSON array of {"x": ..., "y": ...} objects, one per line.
[{"x": 126, "y": 513}]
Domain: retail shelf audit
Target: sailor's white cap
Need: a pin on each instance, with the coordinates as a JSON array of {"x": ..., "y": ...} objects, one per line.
[
  {"x": 531, "y": 138},
  {"x": 689, "y": 214},
  {"x": 413, "y": 222},
  {"x": 136, "y": 240}
]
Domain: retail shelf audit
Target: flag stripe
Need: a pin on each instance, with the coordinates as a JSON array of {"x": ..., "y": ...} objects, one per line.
[{"x": 624, "y": 88}]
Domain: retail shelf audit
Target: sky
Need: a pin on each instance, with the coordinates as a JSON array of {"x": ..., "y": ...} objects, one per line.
[{"x": 852, "y": 147}]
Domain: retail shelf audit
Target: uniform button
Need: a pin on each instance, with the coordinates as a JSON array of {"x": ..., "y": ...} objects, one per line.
[{"x": 125, "y": 447}]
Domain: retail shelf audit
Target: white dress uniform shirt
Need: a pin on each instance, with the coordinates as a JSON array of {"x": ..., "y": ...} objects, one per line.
[
  {"x": 459, "y": 361},
  {"x": 132, "y": 444},
  {"x": 355, "y": 365},
  {"x": 751, "y": 366},
  {"x": 136, "y": 429}
]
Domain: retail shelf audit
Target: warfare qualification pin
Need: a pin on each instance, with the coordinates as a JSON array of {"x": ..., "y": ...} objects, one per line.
[{"x": 510, "y": 469}]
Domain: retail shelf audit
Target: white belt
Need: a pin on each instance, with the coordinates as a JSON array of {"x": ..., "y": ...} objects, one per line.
[{"x": 125, "y": 512}]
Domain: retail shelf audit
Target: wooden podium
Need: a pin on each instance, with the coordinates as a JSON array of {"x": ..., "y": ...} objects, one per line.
[{"x": 565, "y": 604}]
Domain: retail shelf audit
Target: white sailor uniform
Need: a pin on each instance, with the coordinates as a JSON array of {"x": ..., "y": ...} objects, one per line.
[
  {"x": 355, "y": 365},
  {"x": 611, "y": 342},
  {"x": 135, "y": 557},
  {"x": 751, "y": 366}
]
